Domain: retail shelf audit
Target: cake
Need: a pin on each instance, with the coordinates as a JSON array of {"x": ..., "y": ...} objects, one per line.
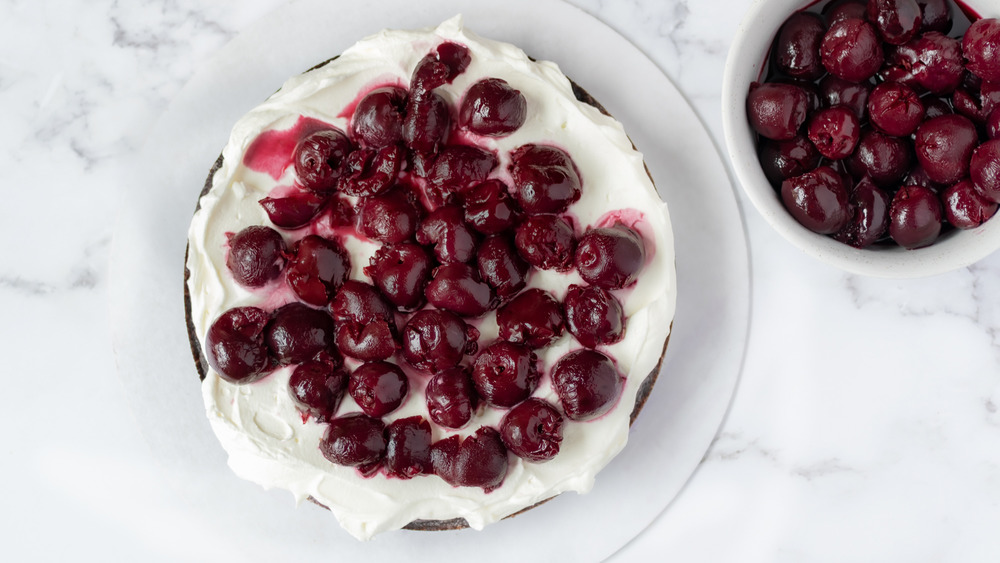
[{"x": 429, "y": 284}]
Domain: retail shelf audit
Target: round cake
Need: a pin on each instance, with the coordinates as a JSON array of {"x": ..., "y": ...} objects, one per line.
[{"x": 429, "y": 284}]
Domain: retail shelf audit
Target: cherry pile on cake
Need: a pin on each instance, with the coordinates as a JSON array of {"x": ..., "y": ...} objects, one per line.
[
  {"x": 876, "y": 126},
  {"x": 429, "y": 284}
]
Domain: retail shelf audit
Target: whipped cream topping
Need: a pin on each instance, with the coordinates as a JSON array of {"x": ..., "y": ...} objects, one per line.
[{"x": 258, "y": 425}]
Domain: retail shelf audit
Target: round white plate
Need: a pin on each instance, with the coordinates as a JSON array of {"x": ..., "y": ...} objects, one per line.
[{"x": 683, "y": 413}]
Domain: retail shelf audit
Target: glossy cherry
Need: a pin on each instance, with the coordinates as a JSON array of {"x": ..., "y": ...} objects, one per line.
[
  {"x": 458, "y": 288},
  {"x": 378, "y": 387},
  {"x": 447, "y": 232},
  {"x": 534, "y": 318},
  {"x": 501, "y": 266},
  {"x": 532, "y": 430},
  {"x": 293, "y": 211},
  {"x": 427, "y": 122},
  {"x": 439, "y": 67},
  {"x": 588, "y": 384},
  {"x": 984, "y": 169},
  {"x": 944, "y": 147},
  {"x": 317, "y": 269},
  {"x": 546, "y": 242},
  {"x": 492, "y": 107},
  {"x": 883, "y": 158},
  {"x": 851, "y": 50},
  {"x": 610, "y": 257},
  {"x": 796, "y": 48},
  {"x": 235, "y": 345},
  {"x": 319, "y": 159},
  {"x": 480, "y": 460},
  {"x": 298, "y": 332},
  {"x": 460, "y": 167},
  {"x": 378, "y": 117},
  {"x": 783, "y": 159},
  {"x": 544, "y": 179},
  {"x": 317, "y": 387},
  {"x": 451, "y": 397},
  {"x": 401, "y": 271},
  {"x": 434, "y": 340},
  {"x": 914, "y": 217},
  {"x": 408, "y": 448},
  {"x": 594, "y": 315},
  {"x": 897, "y": 21},
  {"x": 390, "y": 217},
  {"x": 965, "y": 207},
  {"x": 895, "y": 109},
  {"x": 355, "y": 440},
  {"x": 818, "y": 200},
  {"x": 371, "y": 171},
  {"x": 505, "y": 373},
  {"x": 777, "y": 111},
  {"x": 256, "y": 255},
  {"x": 834, "y": 132},
  {"x": 868, "y": 206},
  {"x": 489, "y": 208},
  {"x": 981, "y": 47}
]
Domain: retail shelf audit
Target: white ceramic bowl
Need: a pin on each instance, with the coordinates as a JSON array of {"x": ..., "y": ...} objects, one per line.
[{"x": 955, "y": 249}]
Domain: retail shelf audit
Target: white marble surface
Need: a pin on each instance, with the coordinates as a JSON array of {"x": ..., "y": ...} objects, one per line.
[{"x": 865, "y": 426}]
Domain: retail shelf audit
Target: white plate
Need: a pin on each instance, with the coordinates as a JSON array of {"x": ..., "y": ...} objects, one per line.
[{"x": 682, "y": 415}]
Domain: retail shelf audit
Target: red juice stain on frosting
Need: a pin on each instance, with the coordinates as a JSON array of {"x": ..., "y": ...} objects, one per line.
[{"x": 271, "y": 152}]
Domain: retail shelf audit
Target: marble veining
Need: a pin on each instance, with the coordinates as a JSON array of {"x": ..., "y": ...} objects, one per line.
[{"x": 865, "y": 426}]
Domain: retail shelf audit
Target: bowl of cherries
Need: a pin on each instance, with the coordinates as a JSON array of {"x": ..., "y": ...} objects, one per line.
[{"x": 867, "y": 132}]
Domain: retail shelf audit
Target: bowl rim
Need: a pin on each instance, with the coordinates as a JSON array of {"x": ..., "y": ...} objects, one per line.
[{"x": 744, "y": 62}]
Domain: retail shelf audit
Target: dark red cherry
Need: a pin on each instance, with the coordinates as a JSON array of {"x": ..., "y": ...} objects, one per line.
[
  {"x": 256, "y": 255},
  {"x": 390, "y": 217},
  {"x": 977, "y": 101},
  {"x": 360, "y": 302},
  {"x": 836, "y": 11},
  {"x": 355, "y": 440},
  {"x": 435, "y": 340},
  {"x": 944, "y": 147},
  {"x": 505, "y": 373},
  {"x": 451, "y": 398},
  {"x": 445, "y": 229},
  {"x": 939, "y": 68},
  {"x": 532, "y": 430},
  {"x": 480, "y": 460},
  {"x": 297, "y": 333},
  {"x": 501, "y": 267},
  {"x": 993, "y": 124},
  {"x": 408, "y": 447},
  {"x": 544, "y": 179},
  {"x": 981, "y": 47},
  {"x": 984, "y": 169},
  {"x": 587, "y": 383},
  {"x": 489, "y": 208},
  {"x": 817, "y": 200},
  {"x": 796, "y": 48},
  {"x": 854, "y": 95},
  {"x": 610, "y": 257},
  {"x": 594, "y": 316},
  {"x": 440, "y": 67},
  {"x": 458, "y": 288},
  {"x": 293, "y": 211},
  {"x": 317, "y": 387},
  {"x": 935, "y": 107},
  {"x": 319, "y": 159},
  {"x": 369, "y": 342},
  {"x": 425, "y": 127},
  {"x": 546, "y": 242},
  {"x": 834, "y": 131},
  {"x": 897, "y": 21},
  {"x": 491, "y": 107},
  {"x": 459, "y": 167},
  {"x": 895, "y": 109},
  {"x": 883, "y": 158},
  {"x": 378, "y": 387},
  {"x": 914, "y": 217},
  {"x": 935, "y": 15},
  {"x": 235, "y": 347},
  {"x": 776, "y": 111},
  {"x": 868, "y": 206},
  {"x": 784, "y": 159},
  {"x": 400, "y": 271},
  {"x": 317, "y": 269},
  {"x": 378, "y": 117},
  {"x": 965, "y": 207},
  {"x": 851, "y": 50},
  {"x": 372, "y": 171},
  {"x": 534, "y": 318}
]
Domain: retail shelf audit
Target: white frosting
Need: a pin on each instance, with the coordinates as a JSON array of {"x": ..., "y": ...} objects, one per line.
[{"x": 258, "y": 425}]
